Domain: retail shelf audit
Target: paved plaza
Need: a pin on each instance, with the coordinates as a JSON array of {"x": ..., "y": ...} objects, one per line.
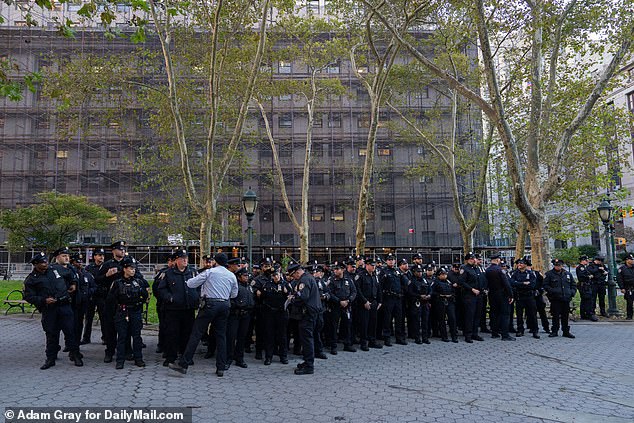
[{"x": 588, "y": 379}]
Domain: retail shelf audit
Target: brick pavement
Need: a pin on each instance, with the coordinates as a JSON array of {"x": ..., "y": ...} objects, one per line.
[{"x": 525, "y": 381}]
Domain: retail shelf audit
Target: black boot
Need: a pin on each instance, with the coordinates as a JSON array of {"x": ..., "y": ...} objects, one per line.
[{"x": 48, "y": 364}]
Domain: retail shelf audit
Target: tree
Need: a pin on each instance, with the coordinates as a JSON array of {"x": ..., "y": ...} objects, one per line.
[
  {"x": 55, "y": 220},
  {"x": 319, "y": 45},
  {"x": 540, "y": 45}
]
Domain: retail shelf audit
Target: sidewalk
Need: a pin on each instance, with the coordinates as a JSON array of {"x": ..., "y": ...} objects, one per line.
[{"x": 551, "y": 379}]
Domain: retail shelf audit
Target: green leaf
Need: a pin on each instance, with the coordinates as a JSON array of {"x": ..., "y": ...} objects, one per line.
[
  {"x": 107, "y": 16},
  {"x": 138, "y": 36},
  {"x": 44, "y": 4},
  {"x": 140, "y": 5},
  {"x": 87, "y": 10}
]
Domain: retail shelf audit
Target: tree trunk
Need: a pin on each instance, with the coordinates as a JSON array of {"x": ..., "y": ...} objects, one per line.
[
  {"x": 539, "y": 244},
  {"x": 303, "y": 245},
  {"x": 520, "y": 244},
  {"x": 205, "y": 234},
  {"x": 467, "y": 239}
]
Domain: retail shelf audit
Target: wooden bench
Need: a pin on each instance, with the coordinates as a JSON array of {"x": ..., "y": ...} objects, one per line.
[{"x": 15, "y": 299}]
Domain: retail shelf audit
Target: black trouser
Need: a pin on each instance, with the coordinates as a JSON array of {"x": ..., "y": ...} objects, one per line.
[
  {"x": 526, "y": 304},
  {"x": 560, "y": 309},
  {"x": 446, "y": 308},
  {"x": 511, "y": 308},
  {"x": 56, "y": 318},
  {"x": 392, "y": 310},
  {"x": 306, "y": 334},
  {"x": 418, "y": 317},
  {"x": 237, "y": 329},
  {"x": 160, "y": 313},
  {"x": 342, "y": 319},
  {"x": 319, "y": 327},
  {"x": 129, "y": 322},
  {"x": 598, "y": 291},
  {"x": 88, "y": 319},
  {"x": 275, "y": 327},
  {"x": 499, "y": 314},
  {"x": 79, "y": 312},
  {"x": 483, "y": 312},
  {"x": 108, "y": 327},
  {"x": 215, "y": 312},
  {"x": 586, "y": 310},
  {"x": 459, "y": 309},
  {"x": 432, "y": 326},
  {"x": 629, "y": 301},
  {"x": 259, "y": 330},
  {"x": 367, "y": 323},
  {"x": 472, "y": 305},
  {"x": 177, "y": 328},
  {"x": 541, "y": 309},
  {"x": 292, "y": 331}
]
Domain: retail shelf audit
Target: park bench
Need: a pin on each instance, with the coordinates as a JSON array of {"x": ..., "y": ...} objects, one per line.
[{"x": 15, "y": 299}]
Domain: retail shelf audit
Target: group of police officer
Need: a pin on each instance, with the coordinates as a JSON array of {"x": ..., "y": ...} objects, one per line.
[{"x": 361, "y": 300}]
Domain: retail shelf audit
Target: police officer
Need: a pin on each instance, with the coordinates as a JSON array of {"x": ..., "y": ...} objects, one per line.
[
  {"x": 599, "y": 283},
  {"x": 239, "y": 319},
  {"x": 471, "y": 290},
  {"x": 274, "y": 294},
  {"x": 540, "y": 303},
  {"x": 625, "y": 280},
  {"x": 500, "y": 298},
  {"x": 306, "y": 297},
  {"x": 179, "y": 303},
  {"x": 431, "y": 326},
  {"x": 265, "y": 276},
  {"x": 47, "y": 290},
  {"x": 324, "y": 295},
  {"x": 524, "y": 282},
  {"x": 109, "y": 272},
  {"x": 560, "y": 289},
  {"x": 61, "y": 264},
  {"x": 418, "y": 295},
  {"x": 128, "y": 295},
  {"x": 584, "y": 283},
  {"x": 390, "y": 280},
  {"x": 444, "y": 305},
  {"x": 160, "y": 308},
  {"x": 453, "y": 275},
  {"x": 86, "y": 288},
  {"x": 343, "y": 292},
  {"x": 369, "y": 300},
  {"x": 98, "y": 299}
]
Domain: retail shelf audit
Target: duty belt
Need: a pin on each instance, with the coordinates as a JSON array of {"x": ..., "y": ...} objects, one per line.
[{"x": 215, "y": 300}]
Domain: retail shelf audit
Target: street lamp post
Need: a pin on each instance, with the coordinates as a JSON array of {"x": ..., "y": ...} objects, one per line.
[
  {"x": 606, "y": 211},
  {"x": 249, "y": 204}
]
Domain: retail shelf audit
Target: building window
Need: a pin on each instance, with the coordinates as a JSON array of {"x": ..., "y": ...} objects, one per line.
[
  {"x": 318, "y": 150},
  {"x": 422, "y": 94},
  {"x": 362, "y": 94},
  {"x": 363, "y": 121},
  {"x": 284, "y": 217},
  {"x": 338, "y": 213},
  {"x": 363, "y": 151},
  {"x": 428, "y": 238},
  {"x": 318, "y": 120},
  {"x": 338, "y": 179},
  {"x": 316, "y": 179},
  {"x": 318, "y": 239},
  {"x": 427, "y": 212},
  {"x": 287, "y": 239},
  {"x": 285, "y": 120},
  {"x": 43, "y": 123},
  {"x": 265, "y": 151},
  {"x": 1, "y": 122},
  {"x": 630, "y": 101},
  {"x": 286, "y": 97},
  {"x": 313, "y": 6},
  {"x": 561, "y": 244},
  {"x": 387, "y": 211},
  {"x": 317, "y": 213},
  {"x": 40, "y": 154},
  {"x": 389, "y": 238},
  {"x": 337, "y": 238},
  {"x": 266, "y": 239},
  {"x": 336, "y": 150},
  {"x": 426, "y": 180},
  {"x": 284, "y": 67},
  {"x": 285, "y": 150},
  {"x": 266, "y": 213},
  {"x": 62, "y": 154},
  {"x": 370, "y": 239},
  {"x": 334, "y": 120},
  {"x": 384, "y": 150},
  {"x": 334, "y": 68}
]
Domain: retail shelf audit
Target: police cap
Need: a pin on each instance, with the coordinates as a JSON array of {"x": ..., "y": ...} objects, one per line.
[
  {"x": 179, "y": 253},
  {"x": 97, "y": 251},
  {"x": 469, "y": 256},
  {"x": 39, "y": 258},
  {"x": 417, "y": 268},
  {"x": 557, "y": 262},
  {"x": 440, "y": 271},
  {"x": 402, "y": 261},
  {"x": 128, "y": 261},
  {"x": 293, "y": 267},
  {"x": 234, "y": 261},
  {"x": 119, "y": 245},
  {"x": 583, "y": 257},
  {"x": 63, "y": 250}
]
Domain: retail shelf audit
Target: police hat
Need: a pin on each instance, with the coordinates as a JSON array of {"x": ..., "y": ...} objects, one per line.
[
  {"x": 469, "y": 256},
  {"x": 359, "y": 257},
  {"x": 241, "y": 272},
  {"x": 390, "y": 257},
  {"x": 128, "y": 261},
  {"x": 496, "y": 256},
  {"x": 221, "y": 259},
  {"x": 207, "y": 257},
  {"x": 429, "y": 267},
  {"x": 234, "y": 261},
  {"x": 520, "y": 261},
  {"x": 629, "y": 257},
  {"x": 293, "y": 267},
  {"x": 370, "y": 261},
  {"x": 417, "y": 268},
  {"x": 379, "y": 260},
  {"x": 39, "y": 258},
  {"x": 179, "y": 253},
  {"x": 337, "y": 265},
  {"x": 456, "y": 265},
  {"x": 350, "y": 262},
  {"x": 557, "y": 262},
  {"x": 98, "y": 251},
  {"x": 478, "y": 256},
  {"x": 256, "y": 267},
  {"x": 583, "y": 257},
  {"x": 441, "y": 270},
  {"x": 77, "y": 257},
  {"x": 417, "y": 256},
  {"x": 319, "y": 268},
  {"x": 599, "y": 258},
  {"x": 402, "y": 261},
  {"x": 63, "y": 250},
  {"x": 265, "y": 260},
  {"x": 119, "y": 245}
]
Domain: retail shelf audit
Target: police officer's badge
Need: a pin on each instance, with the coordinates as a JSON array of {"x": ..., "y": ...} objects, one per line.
[
  {"x": 300, "y": 287},
  {"x": 461, "y": 270}
]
